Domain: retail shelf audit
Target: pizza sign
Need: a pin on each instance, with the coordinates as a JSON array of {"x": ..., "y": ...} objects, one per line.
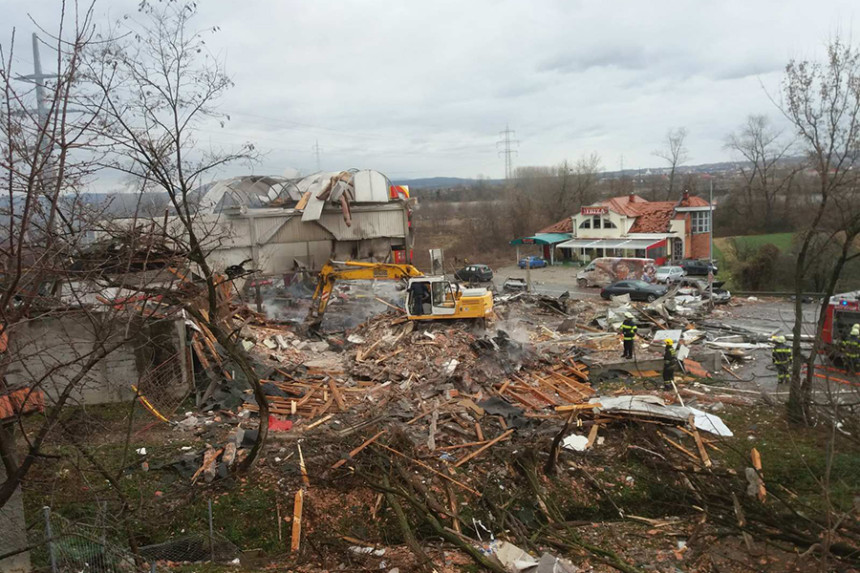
[{"x": 594, "y": 210}]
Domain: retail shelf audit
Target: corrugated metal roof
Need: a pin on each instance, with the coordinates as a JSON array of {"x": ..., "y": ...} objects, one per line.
[{"x": 365, "y": 224}]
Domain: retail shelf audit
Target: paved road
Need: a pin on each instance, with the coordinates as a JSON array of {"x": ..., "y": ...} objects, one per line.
[{"x": 551, "y": 281}]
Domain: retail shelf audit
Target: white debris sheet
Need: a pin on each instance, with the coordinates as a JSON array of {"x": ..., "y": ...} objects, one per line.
[
  {"x": 575, "y": 442},
  {"x": 648, "y": 405}
]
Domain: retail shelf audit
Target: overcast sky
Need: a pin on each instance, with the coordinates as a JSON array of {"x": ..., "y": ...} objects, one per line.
[{"x": 419, "y": 89}]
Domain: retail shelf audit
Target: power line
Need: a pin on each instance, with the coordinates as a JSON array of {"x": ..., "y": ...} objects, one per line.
[{"x": 507, "y": 151}]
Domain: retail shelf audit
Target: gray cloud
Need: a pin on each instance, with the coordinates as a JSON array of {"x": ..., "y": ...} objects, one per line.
[{"x": 421, "y": 89}]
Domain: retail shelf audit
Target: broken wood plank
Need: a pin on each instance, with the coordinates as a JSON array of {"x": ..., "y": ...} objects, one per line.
[
  {"x": 296, "y": 539},
  {"x": 389, "y": 305},
  {"x": 522, "y": 399},
  {"x": 756, "y": 462},
  {"x": 703, "y": 453},
  {"x": 209, "y": 458},
  {"x": 355, "y": 451},
  {"x": 486, "y": 446},
  {"x": 479, "y": 432},
  {"x": 305, "y": 479},
  {"x": 576, "y": 407},
  {"x": 592, "y": 436},
  {"x": 452, "y": 503},
  {"x": 679, "y": 447},
  {"x": 318, "y": 422},
  {"x": 338, "y": 398},
  {"x": 731, "y": 372}
]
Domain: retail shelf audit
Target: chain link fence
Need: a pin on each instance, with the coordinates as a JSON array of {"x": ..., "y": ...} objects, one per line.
[{"x": 61, "y": 545}]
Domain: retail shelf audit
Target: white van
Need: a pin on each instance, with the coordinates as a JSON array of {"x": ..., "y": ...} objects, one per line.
[{"x": 607, "y": 270}]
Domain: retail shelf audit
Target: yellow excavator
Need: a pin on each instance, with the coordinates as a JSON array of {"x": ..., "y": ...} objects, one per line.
[{"x": 427, "y": 297}]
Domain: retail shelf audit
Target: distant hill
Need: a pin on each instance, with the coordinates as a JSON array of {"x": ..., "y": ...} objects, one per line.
[{"x": 443, "y": 182}]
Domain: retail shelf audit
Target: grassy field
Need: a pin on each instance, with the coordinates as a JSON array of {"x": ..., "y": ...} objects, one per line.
[{"x": 721, "y": 245}]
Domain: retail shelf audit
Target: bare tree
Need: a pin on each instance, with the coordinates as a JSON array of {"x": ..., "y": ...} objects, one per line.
[
  {"x": 822, "y": 102},
  {"x": 159, "y": 85},
  {"x": 585, "y": 175},
  {"x": 675, "y": 153},
  {"x": 47, "y": 155},
  {"x": 764, "y": 180}
]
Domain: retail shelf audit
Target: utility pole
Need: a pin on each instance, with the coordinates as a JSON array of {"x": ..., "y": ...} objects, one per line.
[
  {"x": 38, "y": 78},
  {"x": 316, "y": 149},
  {"x": 507, "y": 144},
  {"x": 711, "y": 245}
]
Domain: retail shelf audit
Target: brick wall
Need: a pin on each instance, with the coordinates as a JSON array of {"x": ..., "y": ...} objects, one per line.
[{"x": 700, "y": 246}]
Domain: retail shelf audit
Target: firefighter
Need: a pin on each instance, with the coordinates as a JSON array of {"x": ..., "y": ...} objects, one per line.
[
  {"x": 781, "y": 357},
  {"x": 851, "y": 349},
  {"x": 669, "y": 358},
  {"x": 628, "y": 334}
]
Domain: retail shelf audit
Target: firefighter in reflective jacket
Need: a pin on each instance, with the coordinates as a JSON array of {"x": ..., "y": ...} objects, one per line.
[
  {"x": 628, "y": 334},
  {"x": 781, "y": 357},
  {"x": 851, "y": 349},
  {"x": 670, "y": 357}
]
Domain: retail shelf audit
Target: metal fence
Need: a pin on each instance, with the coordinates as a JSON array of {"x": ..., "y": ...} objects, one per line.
[{"x": 95, "y": 545}]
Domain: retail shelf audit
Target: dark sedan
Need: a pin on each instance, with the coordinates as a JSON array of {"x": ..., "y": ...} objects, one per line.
[
  {"x": 638, "y": 290},
  {"x": 475, "y": 274}
]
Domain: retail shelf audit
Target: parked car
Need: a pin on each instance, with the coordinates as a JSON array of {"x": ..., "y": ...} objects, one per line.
[
  {"x": 698, "y": 267},
  {"x": 668, "y": 274},
  {"x": 638, "y": 290},
  {"x": 607, "y": 270},
  {"x": 533, "y": 262},
  {"x": 474, "y": 274}
]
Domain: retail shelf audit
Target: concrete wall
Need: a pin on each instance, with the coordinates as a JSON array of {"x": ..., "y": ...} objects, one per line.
[
  {"x": 44, "y": 348},
  {"x": 13, "y": 532}
]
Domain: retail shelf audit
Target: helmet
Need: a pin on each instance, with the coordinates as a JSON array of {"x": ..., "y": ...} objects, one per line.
[
  {"x": 779, "y": 339},
  {"x": 668, "y": 341},
  {"x": 855, "y": 330},
  {"x": 630, "y": 315}
]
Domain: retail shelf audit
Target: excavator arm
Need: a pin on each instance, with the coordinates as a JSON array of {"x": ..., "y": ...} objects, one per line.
[{"x": 334, "y": 271}]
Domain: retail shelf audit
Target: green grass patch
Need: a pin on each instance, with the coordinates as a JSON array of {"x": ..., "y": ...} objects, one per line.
[
  {"x": 782, "y": 241},
  {"x": 794, "y": 457},
  {"x": 723, "y": 246}
]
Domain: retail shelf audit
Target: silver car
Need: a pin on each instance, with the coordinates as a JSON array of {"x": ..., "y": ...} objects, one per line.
[{"x": 669, "y": 274}]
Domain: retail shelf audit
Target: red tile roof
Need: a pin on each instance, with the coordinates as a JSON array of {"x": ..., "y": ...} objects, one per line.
[
  {"x": 692, "y": 201},
  {"x": 623, "y": 204},
  {"x": 651, "y": 216},
  {"x": 654, "y": 218}
]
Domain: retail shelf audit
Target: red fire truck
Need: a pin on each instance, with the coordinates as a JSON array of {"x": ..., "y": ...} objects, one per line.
[{"x": 842, "y": 313}]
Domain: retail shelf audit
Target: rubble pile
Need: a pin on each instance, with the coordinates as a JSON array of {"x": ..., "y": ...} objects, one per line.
[{"x": 460, "y": 421}]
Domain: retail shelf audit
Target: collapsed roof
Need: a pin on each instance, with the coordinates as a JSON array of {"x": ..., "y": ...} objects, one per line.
[{"x": 308, "y": 194}]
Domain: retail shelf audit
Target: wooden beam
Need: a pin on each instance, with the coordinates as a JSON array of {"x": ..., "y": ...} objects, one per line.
[{"x": 486, "y": 446}]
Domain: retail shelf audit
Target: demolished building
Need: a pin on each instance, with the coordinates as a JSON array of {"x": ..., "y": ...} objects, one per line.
[{"x": 279, "y": 224}]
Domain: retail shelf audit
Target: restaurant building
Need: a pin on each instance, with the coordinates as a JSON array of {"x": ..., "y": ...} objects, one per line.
[{"x": 631, "y": 226}]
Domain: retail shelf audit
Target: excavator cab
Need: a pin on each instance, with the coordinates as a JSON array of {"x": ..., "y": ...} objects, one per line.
[{"x": 430, "y": 298}]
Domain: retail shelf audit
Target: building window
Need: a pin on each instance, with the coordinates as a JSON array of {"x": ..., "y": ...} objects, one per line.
[
  {"x": 596, "y": 221},
  {"x": 585, "y": 224},
  {"x": 700, "y": 221},
  {"x": 607, "y": 224}
]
